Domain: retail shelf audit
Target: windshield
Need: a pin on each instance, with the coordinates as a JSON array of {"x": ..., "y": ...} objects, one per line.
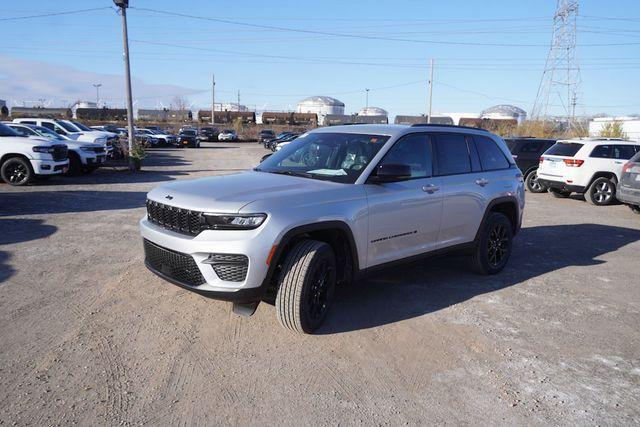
[
  {"x": 337, "y": 157},
  {"x": 227, "y": 131},
  {"x": 188, "y": 132},
  {"x": 67, "y": 126},
  {"x": 7, "y": 131},
  {"x": 82, "y": 127},
  {"x": 48, "y": 133}
]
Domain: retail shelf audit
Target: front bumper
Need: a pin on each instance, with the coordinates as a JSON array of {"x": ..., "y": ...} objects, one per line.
[
  {"x": 254, "y": 244},
  {"x": 628, "y": 195},
  {"x": 96, "y": 161},
  {"x": 559, "y": 185},
  {"x": 49, "y": 167}
]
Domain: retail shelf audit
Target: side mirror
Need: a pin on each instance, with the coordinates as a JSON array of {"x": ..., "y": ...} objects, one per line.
[{"x": 391, "y": 172}]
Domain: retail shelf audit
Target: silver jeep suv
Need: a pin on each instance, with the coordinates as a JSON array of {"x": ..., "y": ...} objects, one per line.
[{"x": 333, "y": 205}]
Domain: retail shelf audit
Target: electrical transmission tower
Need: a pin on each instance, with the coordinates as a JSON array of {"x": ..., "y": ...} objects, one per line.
[{"x": 561, "y": 77}]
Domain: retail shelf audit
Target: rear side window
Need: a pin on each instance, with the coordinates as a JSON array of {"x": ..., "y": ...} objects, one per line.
[
  {"x": 602, "y": 152},
  {"x": 567, "y": 149},
  {"x": 623, "y": 152},
  {"x": 452, "y": 154},
  {"x": 48, "y": 125},
  {"x": 491, "y": 156}
]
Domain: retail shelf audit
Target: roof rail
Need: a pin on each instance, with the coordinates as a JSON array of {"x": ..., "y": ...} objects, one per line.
[{"x": 446, "y": 126}]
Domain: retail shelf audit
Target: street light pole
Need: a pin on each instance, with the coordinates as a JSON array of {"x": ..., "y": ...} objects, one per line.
[
  {"x": 213, "y": 100},
  {"x": 123, "y": 4},
  {"x": 97, "y": 86},
  {"x": 430, "y": 89}
]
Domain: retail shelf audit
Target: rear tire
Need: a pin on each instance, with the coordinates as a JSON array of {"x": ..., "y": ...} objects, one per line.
[
  {"x": 17, "y": 171},
  {"x": 601, "y": 192},
  {"x": 532, "y": 184},
  {"x": 306, "y": 286},
  {"x": 559, "y": 194},
  {"x": 494, "y": 245}
]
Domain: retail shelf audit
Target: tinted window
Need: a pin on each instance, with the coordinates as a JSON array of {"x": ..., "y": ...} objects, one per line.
[
  {"x": 568, "y": 149},
  {"x": 7, "y": 131},
  {"x": 452, "y": 154},
  {"x": 531, "y": 147},
  {"x": 602, "y": 152},
  {"x": 47, "y": 125},
  {"x": 412, "y": 150},
  {"x": 24, "y": 131},
  {"x": 624, "y": 152},
  {"x": 68, "y": 127},
  {"x": 491, "y": 157}
]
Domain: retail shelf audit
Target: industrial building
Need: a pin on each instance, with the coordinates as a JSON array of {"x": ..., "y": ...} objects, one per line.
[
  {"x": 321, "y": 106},
  {"x": 630, "y": 126}
]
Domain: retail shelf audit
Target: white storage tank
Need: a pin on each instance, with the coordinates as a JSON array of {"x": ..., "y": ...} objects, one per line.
[
  {"x": 231, "y": 106},
  {"x": 321, "y": 106},
  {"x": 504, "y": 112},
  {"x": 373, "y": 111}
]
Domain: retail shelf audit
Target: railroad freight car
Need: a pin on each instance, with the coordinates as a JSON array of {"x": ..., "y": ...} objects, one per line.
[
  {"x": 102, "y": 114},
  {"x": 41, "y": 112},
  {"x": 279, "y": 118}
]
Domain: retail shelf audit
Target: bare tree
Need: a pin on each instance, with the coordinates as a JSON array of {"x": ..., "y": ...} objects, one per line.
[{"x": 179, "y": 102}]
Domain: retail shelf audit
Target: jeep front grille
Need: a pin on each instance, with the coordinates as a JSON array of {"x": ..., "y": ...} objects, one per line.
[
  {"x": 183, "y": 221},
  {"x": 174, "y": 265}
]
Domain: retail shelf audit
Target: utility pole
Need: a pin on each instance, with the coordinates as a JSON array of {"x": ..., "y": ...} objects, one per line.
[
  {"x": 123, "y": 4},
  {"x": 366, "y": 105},
  {"x": 238, "y": 100},
  {"x": 430, "y": 89},
  {"x": 213, "y": 99},
  {"x": 97, "y": 86}
]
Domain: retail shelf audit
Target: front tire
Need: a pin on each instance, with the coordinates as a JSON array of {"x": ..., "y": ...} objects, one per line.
[
  {"x": 306, "y": 286},
  {"x": 75, "y": 165},
  {"x": 601, "y": 192},
  {"x": 532, "y": 184},
  {"x": 494, "y": 245},
  {"x": 559, "y": 194},
  {"x": 17, "y": 171}
]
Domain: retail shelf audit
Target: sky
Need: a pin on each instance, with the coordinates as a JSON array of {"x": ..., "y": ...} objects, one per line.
[{"x": 278, "y": 52}]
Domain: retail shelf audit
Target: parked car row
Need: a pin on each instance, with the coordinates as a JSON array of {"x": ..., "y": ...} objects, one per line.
[{"x": 602, "y": 169}]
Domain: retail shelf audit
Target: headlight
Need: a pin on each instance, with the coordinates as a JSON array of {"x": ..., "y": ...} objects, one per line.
[
  {"x": 234, "y": 222},
  {"x": 87, "y": 148},
  {"x": 101, "y": 141},
  {"x": 43, "y": 149}
]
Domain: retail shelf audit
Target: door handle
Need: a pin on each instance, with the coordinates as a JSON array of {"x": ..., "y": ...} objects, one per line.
[
  {"x": 482, "y": 182},
  {"x": 430, "y": 188}
]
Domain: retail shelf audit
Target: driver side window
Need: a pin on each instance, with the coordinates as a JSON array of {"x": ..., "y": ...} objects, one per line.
[{"x": 413, "y": 150}]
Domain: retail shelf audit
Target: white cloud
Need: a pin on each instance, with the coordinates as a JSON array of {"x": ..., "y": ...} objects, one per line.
[{"x": 28, "y": 80}]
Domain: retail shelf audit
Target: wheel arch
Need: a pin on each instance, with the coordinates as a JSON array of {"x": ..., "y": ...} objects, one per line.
[
  {"x": 610, "y": 175},
  {"x": 337, "y": 234},
  {"x": 8, "y": 156},
  {"x": 508, "y": 206}
]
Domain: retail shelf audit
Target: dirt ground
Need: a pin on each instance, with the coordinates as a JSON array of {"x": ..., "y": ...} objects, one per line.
[{"x": 89, "y": 336}]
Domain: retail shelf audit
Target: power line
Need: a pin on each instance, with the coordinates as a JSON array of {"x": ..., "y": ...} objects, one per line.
[
  {"x": 359, "y": 36},
  {"x": 44, "y": 15}
]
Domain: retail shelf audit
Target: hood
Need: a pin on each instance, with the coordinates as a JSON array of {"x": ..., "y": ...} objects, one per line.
[{"x": 229, "y": 193}]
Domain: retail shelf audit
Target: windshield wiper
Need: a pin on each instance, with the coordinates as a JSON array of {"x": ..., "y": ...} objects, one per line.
[{"x": 292, "y": 173}]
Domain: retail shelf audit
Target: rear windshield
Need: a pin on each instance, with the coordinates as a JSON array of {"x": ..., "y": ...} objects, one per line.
[{"x": 567, "y": 149}]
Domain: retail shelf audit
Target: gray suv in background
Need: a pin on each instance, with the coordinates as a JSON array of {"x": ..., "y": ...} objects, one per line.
[
  {"x": 332, "y": 206},
  {"x": 628, "y": 189}
]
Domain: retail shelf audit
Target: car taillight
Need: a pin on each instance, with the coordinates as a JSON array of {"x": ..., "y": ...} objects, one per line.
[
  {"x": 574, "y": 163},
  {"x": 628, "y": 166},
  {"x": 541, "y": 160}
]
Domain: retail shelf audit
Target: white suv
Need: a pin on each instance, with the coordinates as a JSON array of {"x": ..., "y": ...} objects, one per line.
[
  {"x": 331, "y": 206},
  {"x": 592, "y": 166},
  {"x": 68, "y": 129},
  {"x": 24, "y": 159},
  {"x": 83, "y": 156}
]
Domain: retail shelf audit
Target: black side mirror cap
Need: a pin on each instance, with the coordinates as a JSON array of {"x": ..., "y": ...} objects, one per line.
[{"x": 391, "y": 172}]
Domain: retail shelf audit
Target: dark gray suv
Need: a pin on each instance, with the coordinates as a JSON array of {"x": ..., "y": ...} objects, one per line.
[{"x": 628, "y": 190}]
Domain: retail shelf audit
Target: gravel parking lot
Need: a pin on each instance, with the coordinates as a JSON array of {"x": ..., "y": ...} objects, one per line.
[{"x": 90, "y": 336}]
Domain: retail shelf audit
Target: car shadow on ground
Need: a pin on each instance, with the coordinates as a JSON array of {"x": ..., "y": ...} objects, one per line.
[
  {"x": 55, "y": 202},
  {"x": 18, "y": 231},
  {"x": 421, "y": 288}
]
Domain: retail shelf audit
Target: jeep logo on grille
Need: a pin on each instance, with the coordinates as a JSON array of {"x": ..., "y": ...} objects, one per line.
[{"x": 168, "y": 197}]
